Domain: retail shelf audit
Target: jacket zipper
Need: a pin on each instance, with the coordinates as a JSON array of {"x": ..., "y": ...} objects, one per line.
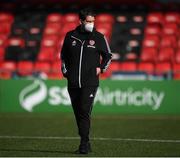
[{"x": 80, "y": 59}]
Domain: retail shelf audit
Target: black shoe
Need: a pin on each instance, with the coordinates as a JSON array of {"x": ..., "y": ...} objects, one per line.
[{"x": 84, "y": 149}]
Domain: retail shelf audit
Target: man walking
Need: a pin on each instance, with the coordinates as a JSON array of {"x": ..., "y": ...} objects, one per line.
[{"x": 81, "y": 65}]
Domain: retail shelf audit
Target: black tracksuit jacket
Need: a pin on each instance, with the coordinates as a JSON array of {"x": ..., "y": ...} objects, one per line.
[{"x": 80, "y": 56}]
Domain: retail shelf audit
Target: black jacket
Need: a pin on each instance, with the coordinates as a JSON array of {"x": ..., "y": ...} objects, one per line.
[{"x": 80, "y": 56}]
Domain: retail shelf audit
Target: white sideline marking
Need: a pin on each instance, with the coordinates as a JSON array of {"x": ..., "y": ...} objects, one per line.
[{"x": 94, "y": 138}]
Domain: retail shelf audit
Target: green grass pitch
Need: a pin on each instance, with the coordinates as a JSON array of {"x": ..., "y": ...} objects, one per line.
[{"x": 55, "y": 134}]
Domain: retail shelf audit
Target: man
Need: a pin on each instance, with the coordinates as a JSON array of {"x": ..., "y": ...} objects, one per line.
[{"x": 81, "y": 65}]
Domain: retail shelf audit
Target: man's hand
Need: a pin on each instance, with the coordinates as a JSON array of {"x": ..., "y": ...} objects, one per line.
[{"x": 98, "y": 71}]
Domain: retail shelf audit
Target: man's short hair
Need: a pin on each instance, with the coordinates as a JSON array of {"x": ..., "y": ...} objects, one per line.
[{"x": 86, "y": 12}]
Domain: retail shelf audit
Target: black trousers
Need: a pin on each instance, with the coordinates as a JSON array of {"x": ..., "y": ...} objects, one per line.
[{"x": 82, "y": 102}]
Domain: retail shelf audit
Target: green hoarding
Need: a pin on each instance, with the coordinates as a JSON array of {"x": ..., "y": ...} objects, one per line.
[{"x": 127, "y": 97}]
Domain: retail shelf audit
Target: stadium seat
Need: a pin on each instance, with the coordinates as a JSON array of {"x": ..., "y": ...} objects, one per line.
[
  {"x": 54, "y": 18},
  {"x": 42, "y": 67},
  {"x": 50, "y": 41},
  {"x": 172, "y": 17},
  {"x": 8, "y": 65},
  {"x": 131, "y": 56},
  {"x": 55, "y": 70},
  {"x": 128, "y": 66},
  {"x": 168, "y": 41},
  {"x": 170, "y": 29},
  {"x": 177, "y": 56},
  {"x": 6, "y": 17},
  {"x": 105, "y": 18},
  {"x": 3, "y": 39},
  {"x": 152, "y": 30},
  {"x": 52, "y": 28},
  {"x": 163, "y": 68},
  {"x": 70, "y": 18},
  {"x": 114, "y": 66},
  {"x": 50, "y": 50},
  {"x": 2, "y": 51},
  {"x": 155, "y": 17},
  {"x": 106, "y": 26},
  {"x": 147, "y": 67},
  {"x": 5, "y": 28},
  {"x": 46, "y": 56},
  {"x": 7, "y": 68},
  {"x": 176, "y": 71},
  {"x": 165, "y": 55},
  {"x": 25, "y": 68},
  {"x": 148, "y": 54},
  {"x": 67, "y": 27},
  {"x": 151, "y": 41}
]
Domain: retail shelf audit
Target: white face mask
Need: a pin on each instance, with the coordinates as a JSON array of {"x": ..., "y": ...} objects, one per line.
[{"x": 89, "y": 27}]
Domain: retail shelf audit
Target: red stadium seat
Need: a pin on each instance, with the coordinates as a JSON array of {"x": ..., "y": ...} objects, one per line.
[
  {"x": 107, "y": 26},
  {"x": 155, "y": 17},
  {"x": 177, "y": 57},
  {"x": 42, "y": 67},
  {"x": 8, "y": 66},
  {"x": 172, "y": 17},
  {"x": 153, "y": 30},
  {"x": 114, "y": 66},
  {"x": 161, "y": 68},
  {"x": 46, "y": 56},
  {"x": 131, "y": 56},
  {"x": 147, "y": 67},
  {"x": 170, "y": 29},
  {"x": 50, "y": 50},
  {"x": 151, "y": 41},
  {"x": 148, "y": 54},
  {"x": 2, "y": 52},
  {"x": 176, "y": 71},
  {"x": 68, "y": 27},
  {"x": 25, "y": 68},
  {"x": 70, "y": 18},
  {"x": 168, "y": 41},
  {"x": 54, "y": 18},
  {"x": 6, "y": 17},
  {"x": 50, "y": 41},
  {"x": 165, "y": 55},
  {"x": 6, "y": 69},
  {"x": 55, "y": 70},
  {"x": 5, "y": 28},
  {"x": 52, "y": 28},
  {"x": 105, "y": 18},
  {"x": 178, "y": 43},
  {"x": 3, "y": 39},
  {"x": 128, "y": 66}
]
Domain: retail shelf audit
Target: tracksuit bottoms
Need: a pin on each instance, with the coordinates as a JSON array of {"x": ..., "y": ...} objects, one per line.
[{"x": 82, "y": 102}]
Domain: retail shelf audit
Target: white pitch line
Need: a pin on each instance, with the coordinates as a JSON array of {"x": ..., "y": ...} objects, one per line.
[{"x": 93, "y": 138}]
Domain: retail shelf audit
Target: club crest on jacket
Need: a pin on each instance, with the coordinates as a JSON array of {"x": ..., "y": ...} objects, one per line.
[{"x": 91, "y": 42}]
